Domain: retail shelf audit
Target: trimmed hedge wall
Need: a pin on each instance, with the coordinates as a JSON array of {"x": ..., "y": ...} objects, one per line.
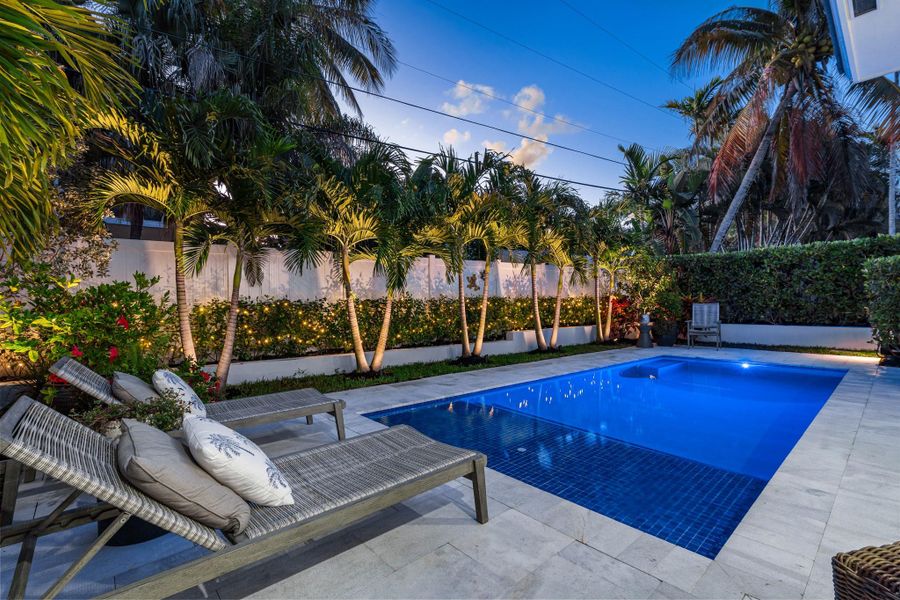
[
  {"x": 813, "y": 284},
  {"x": 883, "y": 289},
  {"x": 274, "y": 328}
]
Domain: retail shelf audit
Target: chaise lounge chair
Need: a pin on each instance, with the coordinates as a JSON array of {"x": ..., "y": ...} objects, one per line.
[
  {"x": 241, "y": 412},
  {"x": 333, "y": 486}
]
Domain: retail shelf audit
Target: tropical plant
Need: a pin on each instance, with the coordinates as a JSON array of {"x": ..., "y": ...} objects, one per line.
[
  {"x": 46, "y": 47},
  {"x": 778, "y": 55},
  {"x": 695, "y": 109},
  {"x": 465, "y": 185}
]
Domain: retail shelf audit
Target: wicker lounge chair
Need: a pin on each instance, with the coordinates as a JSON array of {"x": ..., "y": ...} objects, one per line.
[
  {"x": 241, "y": 412},
  {"x": 333, "y": 486},
  {"x": 871, "y": 573},
  {"x": 704, "y": 323}
]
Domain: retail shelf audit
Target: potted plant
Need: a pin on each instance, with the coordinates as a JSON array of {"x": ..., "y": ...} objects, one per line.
[{"x": 667, "y": 310}]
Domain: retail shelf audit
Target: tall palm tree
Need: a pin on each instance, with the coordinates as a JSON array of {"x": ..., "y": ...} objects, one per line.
[
  {"x": 696, "y": 107},
  {"x": 465, "y": 184},
  {"x": 46, "y": 47},
  {"x": 345, "y": 204},
  {"x": 775, "y": 56}
]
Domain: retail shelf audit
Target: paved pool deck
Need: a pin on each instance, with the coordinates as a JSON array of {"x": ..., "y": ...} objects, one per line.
[{"x": 839, "y": 489}]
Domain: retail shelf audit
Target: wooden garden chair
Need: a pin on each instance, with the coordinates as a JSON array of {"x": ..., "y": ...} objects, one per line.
[
  {"x": 704, "y": 323},
  {"x": 333, "y": 486}
]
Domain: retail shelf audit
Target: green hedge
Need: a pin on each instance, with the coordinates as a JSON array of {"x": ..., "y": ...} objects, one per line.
[
  {"x": 812, "y": 284},
  {"x": 279, "y": 328},
  {"x": 883, "y": 290}
]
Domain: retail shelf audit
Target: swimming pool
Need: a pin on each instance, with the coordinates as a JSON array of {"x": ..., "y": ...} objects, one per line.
[{"x": 676, "y": 447}]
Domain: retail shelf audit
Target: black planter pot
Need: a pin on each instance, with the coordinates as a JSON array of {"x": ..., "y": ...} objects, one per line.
[{"x": 665, "y": 333}]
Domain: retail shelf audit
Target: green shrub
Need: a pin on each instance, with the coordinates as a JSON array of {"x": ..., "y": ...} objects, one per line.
[
  {"x": 883, "y": 290},
  {"x": 165, "y": 413},
  {"x": 108, "y": 327},
  {"x": 277, "y": 328},
  {"x": 812, "y": 284}
]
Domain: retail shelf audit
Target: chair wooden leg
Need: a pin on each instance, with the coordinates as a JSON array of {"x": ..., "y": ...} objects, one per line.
[
  {"x": 339, "y": 421},
  {"x": 480, "y": 491},
  {"x": 309, "y": 419},
  {"x": 79, "y": 564},
  {"x": 10, "y": 492}
]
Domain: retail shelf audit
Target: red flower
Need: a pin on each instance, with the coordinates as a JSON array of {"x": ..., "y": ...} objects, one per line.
[
  {"x": 56, "y": 379},
  {"x": 113, "y": 353},
  {"x": 122, "y": 322},
  {"x": 204, "y": 375},
  {"x": 76, "y": 353}
]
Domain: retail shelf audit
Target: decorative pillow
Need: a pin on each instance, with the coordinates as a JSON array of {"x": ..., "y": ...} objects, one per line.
[
  {"x": 165, "y": 380},
  {"x": 158, "y": 465},
  {"x": 128, "y": 388},
  {"x": 236, "y": 462}
]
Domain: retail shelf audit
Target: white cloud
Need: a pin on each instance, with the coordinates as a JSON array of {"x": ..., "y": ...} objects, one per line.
[
  {"x": 454, "y": 136},
  {"x": 528, "y": 153},
  {"x": 468, "y": 99},
  {"x": 532, "y": 98}
]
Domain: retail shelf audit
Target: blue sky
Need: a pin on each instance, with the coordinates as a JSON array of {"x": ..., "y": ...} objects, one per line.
[{"x": 430, "y": 38}]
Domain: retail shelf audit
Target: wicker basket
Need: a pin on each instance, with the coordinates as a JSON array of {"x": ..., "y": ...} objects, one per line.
[{"x": 871, "y": 573}]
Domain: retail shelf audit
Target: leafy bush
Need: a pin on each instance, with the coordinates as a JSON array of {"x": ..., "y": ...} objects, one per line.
[
  {"x": 813, "y": 284},
  {"x": 883, "y": 289},
  {"x": 277, "y": 328},
  {"x": 165, "y": 413},
  {"x": 108, "y": 327}
]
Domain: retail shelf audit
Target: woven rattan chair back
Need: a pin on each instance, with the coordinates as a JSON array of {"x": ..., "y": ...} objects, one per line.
[
  {"x": 76, "y": 374},
  {"x": 52, "y": 443}
]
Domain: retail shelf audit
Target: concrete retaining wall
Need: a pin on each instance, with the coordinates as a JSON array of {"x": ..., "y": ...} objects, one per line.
[{"x": 847, "y": 338}]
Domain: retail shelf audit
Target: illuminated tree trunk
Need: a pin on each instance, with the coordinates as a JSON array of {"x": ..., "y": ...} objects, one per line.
[
  {"x": 535, "y": 306},
  {"x": 609, "y": 306},
  {"x": 383, "y": 335},
  {"x": 224, "y": 364},
  {"x": 482, "y": 317},
  {"x": 554, "y": 335},
  {"x": 362, "y": 365},
  {"x": 463, "y": 322},
  {"x": 598, "y": 317},
  {"x": 184, "y": 311}
]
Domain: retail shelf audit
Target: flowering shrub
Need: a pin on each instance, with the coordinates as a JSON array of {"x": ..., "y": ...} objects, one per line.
[
  {"x": 204, "y": 384},
  {"x": 108, "y": 327},
  {"x": 165, "y": 413},
  {"x": 277, "y": 328}
]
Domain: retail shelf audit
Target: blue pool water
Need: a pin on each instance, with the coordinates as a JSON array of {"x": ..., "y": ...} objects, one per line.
[{"x": 676, "y": 447}]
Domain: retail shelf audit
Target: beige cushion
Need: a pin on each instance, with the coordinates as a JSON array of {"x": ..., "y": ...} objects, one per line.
[
  {"x": 158, "y": 465},
  {"x": 128, "y": 388}
]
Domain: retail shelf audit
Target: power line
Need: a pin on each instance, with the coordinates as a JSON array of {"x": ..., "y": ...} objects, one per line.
[
  {"x": 412, "y": 104},
  {"x": 551, "y": 59},
  {"x": 462, "y": 84},
  {"x": 428, "y": 153},
  {"x": 611, "y": 34}
]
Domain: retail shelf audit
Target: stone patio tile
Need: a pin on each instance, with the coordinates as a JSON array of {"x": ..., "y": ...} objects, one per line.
[
  {"x": 667, "y": 591},
  {"x": 646, "y": 552},
  {"x": 681, "y": 568},
  {"x": 724, "y": 582},
  {"x": 766, "y": 561},
  {"x": 636, "y": 582},
  {"x": 511, "y": 545},
  {"x": 443, "y": 573},
  {"x": 611, "y": 537},
  {"x": 561, "y": 579}
]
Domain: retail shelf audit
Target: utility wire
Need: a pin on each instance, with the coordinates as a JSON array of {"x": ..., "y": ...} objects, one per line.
[
  {"x": 463, "y": 84},
  {"x": 550, "y": 58},
  {"x": 428, "y": 153},
  {"x": 410, "y": 104},
  {"x": 611, "y": 34}
]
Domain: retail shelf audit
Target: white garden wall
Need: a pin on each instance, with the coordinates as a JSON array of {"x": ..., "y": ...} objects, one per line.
[
  {"x": 426, "y": 280},
  {"x": 847, "y": 338}
]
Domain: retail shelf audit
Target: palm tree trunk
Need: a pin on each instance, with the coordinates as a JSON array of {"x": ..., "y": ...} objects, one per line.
[
  {"x": 463, "y": 322},
  {"x": 554, "y": 335},
  {"x": 535, "y": 307},
  {"x": 482, "y": 317},
  {"x": 231, "y": 324},
  {"x": 362, "y": 365},
  {"x": 752, "y": 171},
  {"x": 380, "y": 347},
  {"x": 184, "y": 312},
  {"x": 607, "y": 332},
  {"x": 598, "y": 317}
]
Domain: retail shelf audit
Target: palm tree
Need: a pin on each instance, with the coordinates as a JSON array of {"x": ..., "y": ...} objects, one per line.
[
  {"x": 46, "y": 47},
  {"x": 151, "y": 176},
  {"x": 465, "y": 184},
  {"x": 779, "y": 55},
  {"x": 345, "y": 205},
  {"x": 695, "y": 107}
]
